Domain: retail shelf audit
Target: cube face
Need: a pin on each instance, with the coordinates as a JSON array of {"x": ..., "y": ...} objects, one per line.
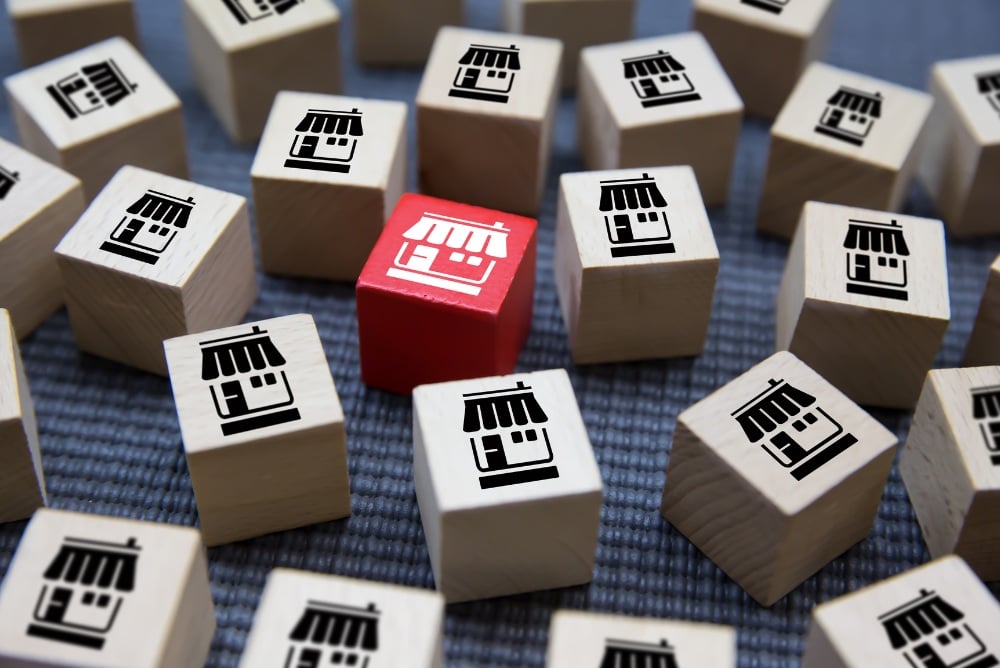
[
  {"x": 387, "y": 32},
  {"x": 49, "y": 28},
  {"x": 84, "y": 590},
  {"x": 396, "y": 626},
  {"x": 982, "y": 347}
]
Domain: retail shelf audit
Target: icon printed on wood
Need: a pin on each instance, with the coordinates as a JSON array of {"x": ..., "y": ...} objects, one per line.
[
  {"x": 8, "y": 180},
  {"x": 773, "y": 6},
  {"x": 850, "y": 115},
  {"x": 87, "y": 583},
  {"x": 635, "y": 214},
  {"x": 246, "y": 11},
  {"x": 989, "y": 87},
  {"x": 486, "y": 73},
  {"x": 884, "y": 244},
  {"x": 626, "y": 654},
  {"x": 94, "y": 87},
  {"x": 986, "y": 412},
  {"x": 326, "y": 140},
  {"x": 332, "y": 634},
  {"x": 149, "y": 226},
  {"x": 659, "y": 79}
]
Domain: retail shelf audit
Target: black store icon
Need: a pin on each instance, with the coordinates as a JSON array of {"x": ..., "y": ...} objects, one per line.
[
  {"x": 635, "y": 216},
  {"x": 773, "y": 6},
  {"x": 328, "y": 634},
  {"x": 325, "y": 141},
  {"x": 929, "y": 632},
  {"x": 249, "y": 388},
  {"x": 989, "y": 87},
  {"x": 149, "y": 226},
  {"x": 850, "y": 115},
  {"x": 793, "y": 428},
  {"x": 486, "y": 73},
  {"x": 659, "y": 79},
  {"x": 986, "y": 413},
  {"x": 245, "y": 11},
  {"x": 508, "y": 437},
  {"x": 876, "y": 259},
  {"x": 628, "y": 654},
  {"x": 85, "y": 586},
  {"x": 94, "y": 87},
  {"x": 8, "y": 180}
]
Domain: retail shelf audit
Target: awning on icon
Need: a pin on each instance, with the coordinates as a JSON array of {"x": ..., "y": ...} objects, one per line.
[
  {"x": 986, "y": 403},
  {"x": 163, "y": 209},
  {"x": 338, "y": 626},
  {"x": 660, "y": 62},
  {"x": 631, "y": 194},
  {"x": 988, "y": 82},
  {"x": 503, "y": 409},
  {"x": 625, "y": 654},
  {"x": 227, "y": 357},
  {"x": 857, "y": 101},
  {"x": 94, "y": 564},
  {"x": 317, "y": 121},
  {"x": 876, "y": 237},
  {"x": 460, "y": 235},
  {"x": 925, "y": 616},
  {"x": 109, "y": 81},
  {"x": 771, "y": 409},
  {"x": 498, "y": 57}
]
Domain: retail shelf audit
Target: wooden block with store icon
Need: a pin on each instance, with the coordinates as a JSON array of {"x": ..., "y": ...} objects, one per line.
[
  {"x": 776, "y": 474},
  {"x": 309, "y": 619},
  {"x": 765, "y": 45},
  {"x": 485, "y": 111},
  {"x": 46, "y": 29},
  {"x": 951, "y": 466},
  {"x": 22, "y": 482},
  {"x": 244, "y": 52},
  {"x": 155, "y": 257},
  {"x": 636, "y": 264},
  {"x": 576, "y": 23},
  {"x": 328, "y": 172},
  {"x": 91, "y": 591},
  {"x": 984, "y": 342},
  {"x": 509, "y": 492},
  {"x": 263, "y": 427},
  {"x": 392, "y": 33},
  {"x": 660, "y": 101},
  {"x": 843, "y": 138},
  {"x": 864, "y": 300},
  {"x": 445, "y": 294},
  {"x": 939, "y": 614},
  {"x": 38, "y": 204},
  {"x": 961, "y": 164},
  {"x": 96, "y": 109}
]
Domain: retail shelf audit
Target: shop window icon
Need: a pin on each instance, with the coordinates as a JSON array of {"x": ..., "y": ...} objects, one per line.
[
  {"x": 93, "y": 87},
  {"x": 629, "y": 654},
  {"x": 877, "y": 259},
  {"x": 486, "y": 73},
  {"x": 328, "y": 634},
  {"x": 8, "y": 180},
  {"x": 246, "y": 11},
  {"x": 850, "y": 115},
  {"x": 989, "y": 87},
  {"x": 659, "y": 79},
  {"x": 635, "y": 216},
  {"x": 325, "y": 141},
  {"x": 773, "y": 6},
  {"x": 149, "y": 226},
  {"x": 986, "y": 413}
]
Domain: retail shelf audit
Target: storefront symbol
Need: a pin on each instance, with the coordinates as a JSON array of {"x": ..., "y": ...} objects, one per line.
[
  {"x": 628, "y": 654},
  {"x": 245, "y": 11},
  {"x": 877, "y": 259},
  {"x": 635, "y": 216},
  {"x": 325, "y": 141},
  {"x": 659, "y": 79},
  {"x": 93, "y": 87},
  {"x": 986, "y": 413},
  {"x": 989, "y": 87},
  {"x": 8, "y": 180},
  {"x": 149, "y": 226},
  {"x": 328, "y": 634},
  {"x": 850, "y": 115},
  {"x": 486, "y": 73},
  {"x": 773, "y": 6}
]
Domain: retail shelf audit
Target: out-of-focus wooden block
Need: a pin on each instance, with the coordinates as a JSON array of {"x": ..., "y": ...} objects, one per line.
[
  {"x": 389, "y": 32},
  {"x": 939, "y": 614},
  {"x": 485, "y": 111},
  {"x": 659, "y": 101},
  {"x": 263, "y": 428},
  {"x": 509, "y": 491},
  {"x": 636, "y": 264},
  {"x": 864, "y": 300},
  {"x": 984, "y": 343},
  {"x": 576, "y": 23},
  {"x": 245, "y": 51},
  {"x": 951, "y": 465},
  {"x": 46, "y": 29},
  {"x": 38, "y": 203},
  {"x": 91, "y": 591},
  {"x": 615, "y": 641},
  {"x": 765, "y": 45},
  {"x": 22, "y": 484},
  {"x": 328, "y": 172},
  {"x": 155, "y": 257},
  {"x": 308, "y": 619},
  {"x": 96, "y": 109},
  {"x": 843, "y": 138},
  {"x": 776, "y": 474},
  {"x": 961, "y": 164}
]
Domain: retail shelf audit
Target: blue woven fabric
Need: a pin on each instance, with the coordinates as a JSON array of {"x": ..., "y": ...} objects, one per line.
[{"x": 111, "y": 442}]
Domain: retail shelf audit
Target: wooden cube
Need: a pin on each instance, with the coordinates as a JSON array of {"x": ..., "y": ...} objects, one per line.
[
  {"x": 155, "y": 257},
  {"x": 22, "y": 483},
  {"x": 91, "y": 591},
  {"x": 509, "y": 491},
  {"x": 38, "y": 204},
  {"x": 939, "y": 614},
  {"x": 660, "y": 101},
  {"x": 244, "y": 51},
  {"x": 328, "y": 172},
  {"x": 864, "y": 300},
  {"x": 308, "y": 619},
  {"x": 843, "y": 138},
  {"x": 576, "y": 23},
  {"x": 590, "y": 639},
  {"x": 775, "y": 475},
  {"x": 263, "y": 428},
  {"x": 765, "y": 45},
  {"x": 951, "y": 465},
  {"x": 485, "y": 111},
  {"x": 389, "y": 32},
  {"x": 96, "y": 109},
  {"x": 636, "y": 264},
  {"x": 46, "y": 29},
  {"x": 961, "y": 164},
  {"x": 984, "y": 343},
  {"x": 446, "y": 294}
]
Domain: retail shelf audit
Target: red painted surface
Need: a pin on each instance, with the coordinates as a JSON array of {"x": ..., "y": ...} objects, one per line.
[{"x": 445, "y": 294}]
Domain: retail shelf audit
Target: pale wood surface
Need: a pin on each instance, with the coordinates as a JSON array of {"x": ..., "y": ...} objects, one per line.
[
  {"x": 746, "y": 510},
  {"x": 410, "y": 621},
  {"x": 876, "y": 349},
  {"x": 487, "y": 542},
  {"x": 166, "y": 621},
  {"x": 984, "y": 342},
  {"x": 319, "y": 223},
  {"x": 621, "y": 308},
  {"x": 389, "y": 32},
  {"x": 46, "y": 29}
]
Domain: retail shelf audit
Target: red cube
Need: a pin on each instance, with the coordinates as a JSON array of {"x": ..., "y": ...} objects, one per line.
[{"x": 446, "y": 294}]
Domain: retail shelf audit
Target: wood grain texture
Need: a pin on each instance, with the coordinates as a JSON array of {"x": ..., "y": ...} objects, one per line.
[
  {"x": 47, "y": 29},
  {"x": 390, "y": 33},
  {"x": 984, "y": 342}
]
